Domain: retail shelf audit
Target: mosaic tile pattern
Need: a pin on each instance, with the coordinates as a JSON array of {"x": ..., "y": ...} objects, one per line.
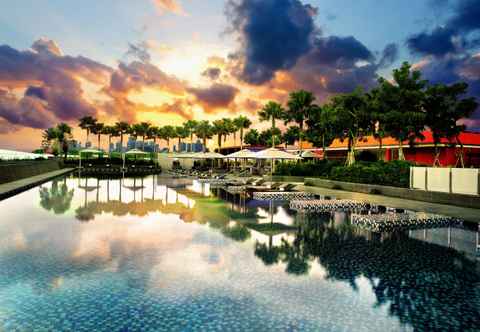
[{"x": 182, "y": 263}]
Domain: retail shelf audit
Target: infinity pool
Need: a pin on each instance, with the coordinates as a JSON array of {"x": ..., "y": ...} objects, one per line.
[{"x": 160, "y": 254}]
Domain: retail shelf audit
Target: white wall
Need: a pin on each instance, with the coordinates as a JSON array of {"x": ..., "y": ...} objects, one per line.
[{"x": 455, "y": 180}]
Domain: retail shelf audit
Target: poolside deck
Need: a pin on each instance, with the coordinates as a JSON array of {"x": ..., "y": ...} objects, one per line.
[
  {"x": 12, "y": 188},
  {"x": 468, "y": 214}
]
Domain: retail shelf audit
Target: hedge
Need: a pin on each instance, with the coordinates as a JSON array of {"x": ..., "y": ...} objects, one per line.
[{"x": 394, "y": 173}]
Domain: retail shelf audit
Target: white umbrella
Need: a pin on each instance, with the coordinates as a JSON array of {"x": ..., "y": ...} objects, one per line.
[
  {"x": 273, "y": 154},
  {"x": 208, "y": 155},
  {"x": 242, "y": 154},
  {"x": 309, "y": 154},
  {"x": 136, "y": 152}
]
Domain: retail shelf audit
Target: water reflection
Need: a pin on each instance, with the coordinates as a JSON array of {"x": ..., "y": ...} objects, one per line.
[{"x": 146, "y": 240}]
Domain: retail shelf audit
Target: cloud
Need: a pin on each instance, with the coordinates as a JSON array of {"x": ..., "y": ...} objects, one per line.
[
  {"x": 454, "y": 36},
  {"x": 46, "y": 46},
  {"x": 439, "y": 42},
  {"x": 136, "y": 75},
  {"x": 215, "y": 96},
  {"x": 172, "y": 6},
  {"x": 50, "y": 83},
  {"x": 213, "y": 73},
  {"x": 389, "y": 55},
  {"x": 139, "y": 51},
  {"x": 273, "y": 35},
  {"x": 28, "y": 111}
]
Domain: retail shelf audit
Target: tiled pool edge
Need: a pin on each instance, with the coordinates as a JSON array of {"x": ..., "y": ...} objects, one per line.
[{"x": 13, "y": 188}]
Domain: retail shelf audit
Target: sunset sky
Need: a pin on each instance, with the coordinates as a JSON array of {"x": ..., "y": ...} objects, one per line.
[{"x": 165, "y": 61}]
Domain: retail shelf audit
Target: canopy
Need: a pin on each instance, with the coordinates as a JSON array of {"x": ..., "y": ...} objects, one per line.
[
  {"x": 183, "y": 155},
  {"x": 135, "y": 151},
  {"x": 274, "y": 153},
  {"x": 208, "y": 155},
  {"x": 242, "y": 154},
  {"x": 309, "y": 154},
  {"x": 93, "y": 151}
]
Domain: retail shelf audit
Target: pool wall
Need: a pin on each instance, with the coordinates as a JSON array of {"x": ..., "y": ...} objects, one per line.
[{"x": 16, "y": 170}]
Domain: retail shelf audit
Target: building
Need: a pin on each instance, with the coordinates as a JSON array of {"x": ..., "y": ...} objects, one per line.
[{"x": 422, "y": 152}]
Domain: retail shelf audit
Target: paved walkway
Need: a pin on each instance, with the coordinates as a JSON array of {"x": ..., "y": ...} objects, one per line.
[
  {"x": 12, "y": 188},
  {"x": 448, "y": 210}
]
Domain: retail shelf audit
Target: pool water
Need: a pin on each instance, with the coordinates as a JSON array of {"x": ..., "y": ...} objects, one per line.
[{"x": 161, "y": 254}]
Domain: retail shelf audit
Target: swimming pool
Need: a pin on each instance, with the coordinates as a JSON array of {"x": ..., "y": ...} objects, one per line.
[{"x": 167, "y": 254}]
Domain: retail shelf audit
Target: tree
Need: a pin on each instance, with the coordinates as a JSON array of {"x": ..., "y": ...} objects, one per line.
[
  {"x": 142, "y": 130},
  {"x": 97, "y": 129},
  {"x": 378, "y": 119},
  {"x": 152, "y": 133},
  {"x": 181, "y": 133},
  {"x": 444, "y": 108},
  {"x": 403, "y": 101},
  {"x": 110, "y": 131},
  {"x": 190, "y": 126},
  {"x": 322, "y": 127},
  {"x": 270, "y": 137},
  {"x": 241, "y": 123},
  {"x": 204, "y": 131},
  {"x": 300, "y": 105},
  {"x": 353, "y": 118},
  {"x": 252, "y": 137},
  {"x": 86, "y": 123},
  {"x": 229, "y": 127},
  {"x": 291, "y": 135},
  {"x": 219, "y": 129},
  {"x": 59, "y": 135},
  {"x": 166, "y": 133},
  {"x": 122, "y": 128},
  {"x": 272, "y": 111}
]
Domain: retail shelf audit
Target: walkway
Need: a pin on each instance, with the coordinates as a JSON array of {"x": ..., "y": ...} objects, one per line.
[
  {"x": 447, "y": 210},
  {"x": 12, "y": 188}
]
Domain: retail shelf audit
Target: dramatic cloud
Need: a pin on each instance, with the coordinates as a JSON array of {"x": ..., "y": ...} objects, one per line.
[
  {"x": 215, "y": 96},
  {"x": 213, "y": 73},
  {"x": 273, "y": 34},
  {"x": 439, "y": 42},
  {"x": 454, "y": 36},
  {"x": 169, "y": 6},
  {"x": 389, "y": 55},
  {"x": 28, "y": 111},
  {"x": 136, "y": 75},
  {"x": 51, "y": 84}
]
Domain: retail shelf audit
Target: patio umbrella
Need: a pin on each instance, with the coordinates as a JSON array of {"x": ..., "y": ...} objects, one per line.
[
  {"x": 242, "y": 154},
  {"x": 133, "y": 152},
  {"x": 273, "y": 154},
  {"x": 91, "y": 151},
  {"x": 309, "y": 154}
]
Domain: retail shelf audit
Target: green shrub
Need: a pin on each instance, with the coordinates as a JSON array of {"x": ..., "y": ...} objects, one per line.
[
  {"x": 394, "y": 173},
  {"x": 320, "y": 168}
]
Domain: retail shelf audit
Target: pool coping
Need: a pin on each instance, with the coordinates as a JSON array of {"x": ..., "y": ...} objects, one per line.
[{"x": 13, "y": 188}]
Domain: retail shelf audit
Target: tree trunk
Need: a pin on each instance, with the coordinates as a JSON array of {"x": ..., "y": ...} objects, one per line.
[
  {"x": 381, "y": 154},
  {"x": 234, "y": 138},
  {"x": 460, "y": 159},
  {"x": 300, "y": 138},
  {"x": 121, "y": 142},
  {"x": 154, "y": 144},
  {"x": 219, "y": 137},
  {"x": 109, "y": 142},
  {"x": 99, "y": 141},
  {"x": 179, "y": 143},
  {"x": 168, "y": 144},
  {"x": 351, "y": 152},
  {"x": 241, "y": 138},
  {"x": 143, "y": 142},
  {"x": 191, "y": 142},
  {"x": 436, "y": 158},
  {"x": 401, "y": 156},
  {"x": 324, "y": 147},
  {"x": 204, "y": 147},
  {"x": 88, "y": 134},
  {"x": 273, "y": 130}
]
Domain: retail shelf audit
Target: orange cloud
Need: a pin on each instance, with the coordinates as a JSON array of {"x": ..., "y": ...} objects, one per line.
[{"x": 169, "y": 6}]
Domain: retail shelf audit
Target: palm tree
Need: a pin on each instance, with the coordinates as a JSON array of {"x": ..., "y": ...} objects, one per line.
[
  {"x": 166, "y": 133},
  {"x": 252, "y": 137},
  {"x": 241, "y": 123},
  {"x": 272, "y": 111},
  {"x": 190, "y": 126},
  {"x": 204, "y": 131},
  {"x": 219, "y": 129},
  {"x": 60, "y": 134},
  {"x": 97, "y": 129},
  {"x": 291, "y": 135},
  {"x": 152, "y": 133},
  {"x": 300, "y": 105},
  {"x": 229, "y": 128},
  {"x": 110, "y": 131},
  {"x": 86, "y": 123},
  {"x": 122, "y": 128},
  {"x": 181, "y": 133}
]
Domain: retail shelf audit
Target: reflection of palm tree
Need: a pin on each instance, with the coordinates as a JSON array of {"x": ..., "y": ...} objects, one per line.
[
  {"x": 85, "y": 213},
  {"x": 268, "y": 254},
  {"x": 58, "y": 199},
  {"x": 237, "y": 232}
]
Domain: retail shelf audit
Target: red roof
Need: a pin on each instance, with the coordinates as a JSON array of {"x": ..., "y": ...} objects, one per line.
[{"x": 466, "y": 138}]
